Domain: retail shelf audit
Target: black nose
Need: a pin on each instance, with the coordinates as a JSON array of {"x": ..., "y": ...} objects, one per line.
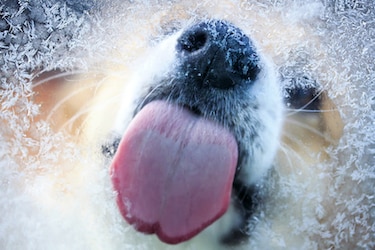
[{"x": 217, "y": 54}]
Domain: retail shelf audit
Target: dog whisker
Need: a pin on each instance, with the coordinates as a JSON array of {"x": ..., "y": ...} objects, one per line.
[
  {"x": 296, "y": 111},
  {"x": 86, "y": 110},
  {"x": 306, "y": 126},
  {"x": 303, "y": 108},
  {"x": 71, "y": 95},
  {"x": 57, "y": 76},
  {"x": 298, "y": 142},
  {"x": 287, "y": 151},
  {"x": 145, "y": 99}
]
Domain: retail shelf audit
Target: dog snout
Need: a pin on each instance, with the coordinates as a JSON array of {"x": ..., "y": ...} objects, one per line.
[{"x": 217, "y": 54}]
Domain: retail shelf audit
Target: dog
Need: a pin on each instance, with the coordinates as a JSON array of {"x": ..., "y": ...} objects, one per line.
[{"x": 207, "y": 137}]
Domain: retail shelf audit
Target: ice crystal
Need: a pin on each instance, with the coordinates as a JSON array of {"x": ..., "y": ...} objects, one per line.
[{"x": 43, "y": 35}]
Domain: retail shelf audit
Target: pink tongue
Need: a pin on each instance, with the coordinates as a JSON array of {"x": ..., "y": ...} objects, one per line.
[{"x": 173, "y": 172}]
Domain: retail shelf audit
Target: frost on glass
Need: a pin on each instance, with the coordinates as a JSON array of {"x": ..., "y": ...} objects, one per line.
[{"x": 41, "y": 211}]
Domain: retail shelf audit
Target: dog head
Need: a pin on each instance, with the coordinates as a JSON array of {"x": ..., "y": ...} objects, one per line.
[
  {"x": 301, "y": 196},
  {"x": 209, "y": 124}
]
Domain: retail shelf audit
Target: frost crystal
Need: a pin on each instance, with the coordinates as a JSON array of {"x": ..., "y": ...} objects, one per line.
[
  {"x": 34, "y": 36},
  {"x": 38, "y": 36}
]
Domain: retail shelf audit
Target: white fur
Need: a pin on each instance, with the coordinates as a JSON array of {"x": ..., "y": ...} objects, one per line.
[{"x": 56, "y": 191}]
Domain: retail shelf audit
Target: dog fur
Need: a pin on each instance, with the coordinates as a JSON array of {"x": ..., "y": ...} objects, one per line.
[{"x": 65, "y": 184}]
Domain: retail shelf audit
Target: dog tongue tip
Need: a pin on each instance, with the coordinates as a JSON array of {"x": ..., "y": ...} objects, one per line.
[{"x": 173, "y": 172}]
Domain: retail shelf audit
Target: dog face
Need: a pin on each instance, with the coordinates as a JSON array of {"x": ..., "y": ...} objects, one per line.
[
  {"x": 213, "y": 82},
  {"x": 216, "y": 75},
  {"x": 185, "y": 94}
]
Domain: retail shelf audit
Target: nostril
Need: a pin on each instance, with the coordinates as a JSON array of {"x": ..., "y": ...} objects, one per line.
[
  {"x": 247, "y": 67},
  {"x": 217, "y": 54},
  {"x": 192, "y": 41}
]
